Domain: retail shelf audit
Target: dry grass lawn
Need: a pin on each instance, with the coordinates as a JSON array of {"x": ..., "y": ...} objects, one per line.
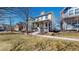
[
  {"x": 64, "y": 34},
  {"x": 20, "y": 42}
]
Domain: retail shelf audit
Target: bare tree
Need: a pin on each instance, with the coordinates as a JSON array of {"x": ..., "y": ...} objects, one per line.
[{"x": 26, "y": 14}]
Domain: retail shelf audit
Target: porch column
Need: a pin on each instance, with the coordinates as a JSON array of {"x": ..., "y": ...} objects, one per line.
[
  {"x": 77, "y": 20},
  {"x": 77, "y": 24},
  {"x": 66, "y": 25},
  {"x": 62, "y": 25},
  {"x": 41, "y": 26},
  {"x": 72, "y": 23},
  {"x": 48, "y": 26},
  {"x": 44, "y": 27},
  {"x": 33, "y": 25}
]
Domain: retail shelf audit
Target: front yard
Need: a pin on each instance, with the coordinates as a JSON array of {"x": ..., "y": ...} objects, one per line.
[
  {"x": 20, "y": 42},
  {"x": 64, "y": 34}
]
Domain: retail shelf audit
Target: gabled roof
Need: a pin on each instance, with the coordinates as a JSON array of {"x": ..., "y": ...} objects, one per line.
[{"x": 66, "y": 8}]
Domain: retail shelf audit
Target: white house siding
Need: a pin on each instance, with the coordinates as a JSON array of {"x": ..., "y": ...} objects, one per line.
[
  {"x": 66, "y": 15},
  {"x": 70, "y": 19},
  {"x": 44, "y": 18},
  {"x": 44, "y": 22}
]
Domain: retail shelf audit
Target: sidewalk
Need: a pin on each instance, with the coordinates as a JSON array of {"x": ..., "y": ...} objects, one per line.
[{"x": 55, "y": 37}]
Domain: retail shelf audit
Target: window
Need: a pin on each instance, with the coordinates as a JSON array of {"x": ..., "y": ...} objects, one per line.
[
  {"x": 46, "y": 16},
  {"x": 71, "y": 12},
  {"x": 41, "y": 17},
  {"x": 36, "y": 19},
  {"x": 46, "y": 24},
  {"x": 77, "y": 11}
]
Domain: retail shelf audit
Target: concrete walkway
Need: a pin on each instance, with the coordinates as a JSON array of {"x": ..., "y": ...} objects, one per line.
[
  {"x": 35, "y": 33},
  {"x": 55, "y": 37}
]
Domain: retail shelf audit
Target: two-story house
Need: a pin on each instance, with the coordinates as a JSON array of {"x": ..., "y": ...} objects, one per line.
[
  {"x": 70, "y": 19},
  {"x": 44, "y": 22}
]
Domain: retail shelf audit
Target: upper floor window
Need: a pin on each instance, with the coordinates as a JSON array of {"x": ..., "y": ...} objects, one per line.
[
  {"x": 71, "y": 12},
  {"x": 77, "y": 11},
  {"x": 36, "y": 19},
  {"x": 39, "y": 18},
  {"x": 46, "y": 16}
]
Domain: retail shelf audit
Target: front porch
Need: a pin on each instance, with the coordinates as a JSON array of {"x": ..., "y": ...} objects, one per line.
[
  {"x": 71, "y": 23},
  {"x": 44, "y": 26}
]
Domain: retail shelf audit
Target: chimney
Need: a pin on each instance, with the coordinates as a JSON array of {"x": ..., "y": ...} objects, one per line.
[{"x": 43, "y": 13}]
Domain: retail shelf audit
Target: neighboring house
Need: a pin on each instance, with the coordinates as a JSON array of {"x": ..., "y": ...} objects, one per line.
[
  {"x": 16, "y": 28},
  {"x": 7, "y": 27},
  {"x": 4, "y": 27},
  {"x": 70, "y": 19},
  {"x": 1, "y": 28},
  {"x": 20, "y": 27},
  {"x": 45, "y": 22}
]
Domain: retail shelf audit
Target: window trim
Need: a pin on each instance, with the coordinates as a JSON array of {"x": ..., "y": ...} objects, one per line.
[
  {"x": 77, "y": 11},
  {"x": 71, "y": 12}
]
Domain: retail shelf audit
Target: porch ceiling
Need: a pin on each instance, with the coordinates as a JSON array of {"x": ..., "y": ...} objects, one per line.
[{"x": 72, "y": 17}]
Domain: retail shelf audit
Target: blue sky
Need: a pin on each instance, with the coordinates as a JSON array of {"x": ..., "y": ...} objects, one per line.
[{"x": 35, "y": 11}]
